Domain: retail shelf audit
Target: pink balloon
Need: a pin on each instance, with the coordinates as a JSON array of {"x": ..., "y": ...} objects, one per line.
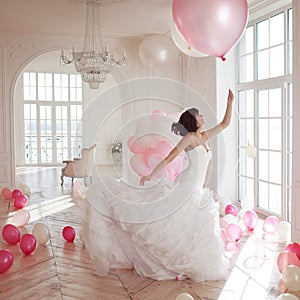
[
  {"x": 294, "y": 248},
  {"x": 270, "y": 224},
  {"x": 212, "y": 27},
  {"x": 231, "y": 209},
  {"x": 68, "y": 233},
  {"x": 134, "y": 146},
  {"x": 149, "y": 152},
  {"x": 250, "y": 219},
  {"x": 224, "y": 235},
  {"x": 164, "y": 147},
  {"x": 6, "y": 260},
  {"x": 20, "y": 201},
  {"x": 157, "y": 114},
  {"x": 138, "y": 166},
  {"x": 11, "y": 234},
  {"x": 21, "y": 218},
  {"x": 16, "y": 193},
  {"x": 223, "y": 223},
  {"x": 27, "y": 243},
  {"x": 286, "y": 258},
  {"x": 6, "y": 193},
  {"x": 234, "y": 232}
]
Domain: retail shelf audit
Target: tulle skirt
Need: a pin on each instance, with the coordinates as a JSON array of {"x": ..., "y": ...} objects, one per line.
[{"x": 163, "y": 233}]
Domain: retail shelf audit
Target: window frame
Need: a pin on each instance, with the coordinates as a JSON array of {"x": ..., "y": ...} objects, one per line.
[{"x": 256, "y": 85}]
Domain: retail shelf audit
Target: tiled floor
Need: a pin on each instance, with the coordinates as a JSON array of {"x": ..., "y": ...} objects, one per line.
[{"x": 61, "y": 270}]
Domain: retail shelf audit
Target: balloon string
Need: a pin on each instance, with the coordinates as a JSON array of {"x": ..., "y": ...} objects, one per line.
[{"x": 187, "y": 81}]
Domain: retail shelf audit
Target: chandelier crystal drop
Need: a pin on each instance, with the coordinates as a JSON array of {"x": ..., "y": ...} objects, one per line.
[{"x": 95, "y": 61}]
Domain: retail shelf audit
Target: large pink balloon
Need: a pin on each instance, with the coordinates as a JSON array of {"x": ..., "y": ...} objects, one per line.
[
  {"x": 270, "y": 224},
  {"x": 11, "y": 234},
  {"x": 28, "y": 243},
  {"x": 164, "y": 147},
  {"x": 231, "y": 209},
  {"x": 134, "y": 146},
  {"x": 250, "y": 219},
  {"x": 138, "y": 166},
  {"x": 234, "y": 232},
  {"x": 294, "y": 248},
  {"x": 69, "y": 233},
  {"x": 212, "y": 27},
  {"x": 21, "y": 218},
  {"x": 6, "y": 193},
  {"x": 6, "y": 260},
  {"x": 286, "y": 258},
  {"x": 20, "y": 201}
]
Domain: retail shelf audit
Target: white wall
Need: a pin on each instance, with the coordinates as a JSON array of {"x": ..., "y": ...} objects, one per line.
[{"x": 139, "y": 90}]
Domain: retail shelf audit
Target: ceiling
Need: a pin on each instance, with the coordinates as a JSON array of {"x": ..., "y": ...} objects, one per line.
[{"x": 67, "y": 17}]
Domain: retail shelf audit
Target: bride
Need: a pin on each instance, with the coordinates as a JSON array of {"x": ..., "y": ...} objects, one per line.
[{"x": 163, "y": 231}]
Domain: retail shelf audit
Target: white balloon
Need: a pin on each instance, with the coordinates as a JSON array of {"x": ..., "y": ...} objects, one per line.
[
  {"x": 291, "y": 278},
  {"x": 284, "y": 231},
  {"x": 230, "y": 218},
  {"x": 157, "y": 50},
  {"x": 182, "y": 44},
  {"x": 287, "y": 297},
  {"x": 41, "y": 233},
  {"x": 184, "y": 296},
  {"x": 251, "y": 151}
]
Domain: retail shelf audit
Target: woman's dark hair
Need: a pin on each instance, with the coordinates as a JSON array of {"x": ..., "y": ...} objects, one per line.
[{"x": 187, "y": 122}]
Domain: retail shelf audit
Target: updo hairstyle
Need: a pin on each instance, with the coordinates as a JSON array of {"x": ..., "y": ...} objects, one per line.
[{"x": 187, "y": 122}]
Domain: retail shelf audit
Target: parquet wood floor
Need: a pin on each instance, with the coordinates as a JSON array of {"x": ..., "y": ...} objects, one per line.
[{"x": 61, "y": 270}]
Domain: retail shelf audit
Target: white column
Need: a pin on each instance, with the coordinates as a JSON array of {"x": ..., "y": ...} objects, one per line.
[{"x": 296, "y": 124}]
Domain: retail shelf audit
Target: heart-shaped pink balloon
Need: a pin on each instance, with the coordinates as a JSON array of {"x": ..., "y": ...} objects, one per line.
[{"x": 212, "y": 27}]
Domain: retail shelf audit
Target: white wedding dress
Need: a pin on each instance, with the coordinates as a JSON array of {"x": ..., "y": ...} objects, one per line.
[{"x": 165, "y": 231}]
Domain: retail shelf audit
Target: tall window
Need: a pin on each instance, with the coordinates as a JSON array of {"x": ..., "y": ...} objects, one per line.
[
  {"x": 52, "y": 117},
  {"x": 265, "y": 113}
]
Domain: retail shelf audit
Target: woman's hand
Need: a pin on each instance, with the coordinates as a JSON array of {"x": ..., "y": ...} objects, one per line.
[
  {"x": 230, "y": 96},
  {"x": 144, "y": 179}
]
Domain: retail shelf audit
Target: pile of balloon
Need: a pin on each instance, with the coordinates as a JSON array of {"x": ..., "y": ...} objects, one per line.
[
  {"x": 198, "y": 28},
  {"x": 235, "y": 223},
  {"x": 152, "y": 142},
  {"x": 288, "y": 263},
  {"x": 27, "y": 242}
]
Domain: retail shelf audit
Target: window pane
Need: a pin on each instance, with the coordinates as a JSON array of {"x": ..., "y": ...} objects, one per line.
[
  {"x": 263, "y": 64},
  {"x": 290, "y": 24},
  {"x": 277, "y": 61},
  {"x": 277, "y": 30},
  {"x": 275, "y": 167},
  {"x": 263, "y": 134},
  {"x": 242, "y": 103},
  {"x": 263, "y": 104},
  {"x": 250, "y": 189},
  {"x": 275, "y": 199},
  {"x": 275, "y": 134},
  {"x": 263, "y": 195},
  {"x": 250, "y": 166},
  {"x": 263, "y": 34},
  {"x": 263, "y": 166},
  {"x": 275, "y": 103},
  {"x": 290, "y": 58},
  {"x": 250, "y": 103},
  {"x": 242, "y": 161},
  {"x": 250, "y": 131},
  {"x": 242, "y": 133},
  {"x": 246, "y": 68}
]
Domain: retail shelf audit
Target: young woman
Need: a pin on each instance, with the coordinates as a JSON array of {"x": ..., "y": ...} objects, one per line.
[
  {"x": 190, "y": 127},
  {"x": 162, "y": 231}
]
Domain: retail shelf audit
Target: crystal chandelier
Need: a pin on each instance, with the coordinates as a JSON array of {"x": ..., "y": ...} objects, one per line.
[{"x": 95, "y": 61}]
